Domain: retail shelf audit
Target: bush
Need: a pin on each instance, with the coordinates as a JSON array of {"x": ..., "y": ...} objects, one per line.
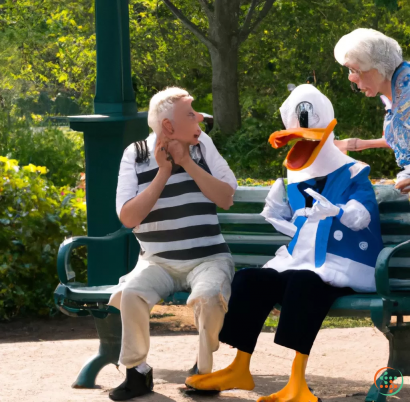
[
  {"x": 248, "y": 152},
  {"x": 60, "y": 149},
  {"x": 35, "y": 217}
]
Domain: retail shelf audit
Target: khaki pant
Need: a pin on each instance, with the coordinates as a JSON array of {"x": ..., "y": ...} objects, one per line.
[{"x": 210, "y": 284}]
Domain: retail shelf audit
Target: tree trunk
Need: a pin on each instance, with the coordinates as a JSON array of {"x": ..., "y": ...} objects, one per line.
[
  {"x": 225, "y": 94},
  {"x": 224, "y": 38},
  {"x": 224, "y": 31}
]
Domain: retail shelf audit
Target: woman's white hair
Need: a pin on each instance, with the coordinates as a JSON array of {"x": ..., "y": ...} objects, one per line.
[
  {"x": 369, "y": 49},
  {"x": 161, "y": 106}
]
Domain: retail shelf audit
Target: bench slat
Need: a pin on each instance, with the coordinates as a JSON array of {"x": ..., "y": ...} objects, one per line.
[
  {"x": 256, "y": 239},
  {"x": 402, "y": 219},
  {"x": 259, "y": 260},
  {"x": 279, "y": 239},
  {"x": 242, "y": 219},
  {"x": 251, "y": 194},
  {"x": 384, "y": 193}
]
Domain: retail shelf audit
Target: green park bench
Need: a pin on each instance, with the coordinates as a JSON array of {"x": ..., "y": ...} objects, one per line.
[{"x": 252, "y": 241}]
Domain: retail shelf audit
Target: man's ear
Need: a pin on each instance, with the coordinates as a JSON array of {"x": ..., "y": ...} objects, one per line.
[{"x": 167, "y": 128}]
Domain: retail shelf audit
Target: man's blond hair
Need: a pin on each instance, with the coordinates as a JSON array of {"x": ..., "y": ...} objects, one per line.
[{"x": 161, "y": 106}]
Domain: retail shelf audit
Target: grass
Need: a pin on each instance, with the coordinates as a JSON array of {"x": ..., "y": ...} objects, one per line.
[
  {"x": 159, "y": 316},
  {"x": 330, "y": 322}
]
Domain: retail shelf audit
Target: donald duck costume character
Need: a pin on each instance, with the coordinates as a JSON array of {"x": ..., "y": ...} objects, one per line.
[{"x": 330, "y": 211}]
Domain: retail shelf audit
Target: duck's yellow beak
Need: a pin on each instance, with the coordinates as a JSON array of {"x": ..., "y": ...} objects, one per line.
[{"x": 309, "y": 142}]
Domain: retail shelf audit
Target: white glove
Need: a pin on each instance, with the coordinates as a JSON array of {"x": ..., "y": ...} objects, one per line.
[
  {"x": 277, "y": 210},
  {"x": 355, "y": 216},
  {"x": 323, "y": 208},
  {"x": 277, "y": 204}
]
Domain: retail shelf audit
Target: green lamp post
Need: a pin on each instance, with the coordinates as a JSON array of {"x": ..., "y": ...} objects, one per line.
[{"x": 114, "y": 125}]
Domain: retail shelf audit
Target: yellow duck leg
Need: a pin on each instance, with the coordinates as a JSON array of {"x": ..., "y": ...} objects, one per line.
[
  {"x": 236, "y": 375},
  {"x": 296, "y": 389}
]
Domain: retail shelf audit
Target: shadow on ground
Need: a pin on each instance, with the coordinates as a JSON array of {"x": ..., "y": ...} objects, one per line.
[
  {"x": 68, "y": 328},
  {"x": 328, "y": 389}
]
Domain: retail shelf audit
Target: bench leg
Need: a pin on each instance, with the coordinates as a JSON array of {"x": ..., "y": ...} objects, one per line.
[
  {"x": 109, "y": 332},
  {"x": 374, "y": 396},
  {"x": 399, "y": 343}
]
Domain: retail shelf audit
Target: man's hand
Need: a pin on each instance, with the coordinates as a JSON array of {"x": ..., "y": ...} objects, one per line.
[
  {"x": 161, "y": 157},
  {"x": 179, "y": 152},
  {"x": 403, "y": 186}
]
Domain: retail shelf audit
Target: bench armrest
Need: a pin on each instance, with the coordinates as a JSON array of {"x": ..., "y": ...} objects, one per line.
[
  {"x": 382, "y": 269},
  {"x": 64, "y": 269}
]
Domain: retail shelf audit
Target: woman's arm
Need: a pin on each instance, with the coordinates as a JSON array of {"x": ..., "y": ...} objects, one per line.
[{"x": 356, "y": 144}]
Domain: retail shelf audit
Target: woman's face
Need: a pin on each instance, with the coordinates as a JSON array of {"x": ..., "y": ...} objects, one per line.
[{"x": 369, "y": 82}]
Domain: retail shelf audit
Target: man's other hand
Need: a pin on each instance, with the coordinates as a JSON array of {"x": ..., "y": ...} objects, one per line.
[{"x": 179, "y": 152}]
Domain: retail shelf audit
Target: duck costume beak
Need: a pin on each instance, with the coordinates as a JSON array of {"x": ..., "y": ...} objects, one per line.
[{"x": 307, "y": 144}]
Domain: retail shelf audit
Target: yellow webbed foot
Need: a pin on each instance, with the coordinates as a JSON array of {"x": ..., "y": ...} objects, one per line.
[
  {"x": 269, "y": 398},
  {"x": 237, "y": 375},
  {"x": 296, "y": 389},
  {"x": 285, "y": 396}
]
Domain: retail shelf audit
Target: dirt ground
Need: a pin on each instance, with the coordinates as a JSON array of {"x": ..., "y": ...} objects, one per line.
[{"x": 40, "y": 359}]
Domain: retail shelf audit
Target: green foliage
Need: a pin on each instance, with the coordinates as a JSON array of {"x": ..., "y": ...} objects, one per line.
[
  {"x": 330, "y": 322},
  {"x": 164, "y": 53},
  {"x": 35, "y": 217},
  {"x": 294, "y": 42},
  {"x": 248, "y": 152},
  {"x": 47, "y": 46},
  {"x": 60, "y": 149}
]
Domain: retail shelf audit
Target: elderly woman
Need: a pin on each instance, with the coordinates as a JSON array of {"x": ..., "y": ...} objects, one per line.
[{"x": 376, "y": 66}]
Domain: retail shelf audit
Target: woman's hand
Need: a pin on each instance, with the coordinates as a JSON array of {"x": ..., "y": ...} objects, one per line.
[
  {"x": 356, "y": 144},
  {"x": 403, "y": 186},
  {"x": 348, "y": 144}
]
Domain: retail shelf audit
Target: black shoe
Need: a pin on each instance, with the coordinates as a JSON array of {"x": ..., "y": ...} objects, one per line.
[
  {"x": 135, "y": 384},
  {"x": 194, "y": 370}
]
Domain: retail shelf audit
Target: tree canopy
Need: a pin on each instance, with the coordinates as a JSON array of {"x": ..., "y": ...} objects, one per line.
[{"x": 47, "y": 51}]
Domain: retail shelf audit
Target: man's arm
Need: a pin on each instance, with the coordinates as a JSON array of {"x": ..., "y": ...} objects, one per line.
[
  {"x": 216, "y": 190},
  {"x": 137, "y": 209},
  {"x": 356, "y": 144}
]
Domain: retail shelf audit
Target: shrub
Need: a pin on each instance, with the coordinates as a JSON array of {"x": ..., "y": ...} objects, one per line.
[
  {"x": 60, "y": 149},
  {"x": 248, "y": 152},
  {"x": 35, "y": 217}
]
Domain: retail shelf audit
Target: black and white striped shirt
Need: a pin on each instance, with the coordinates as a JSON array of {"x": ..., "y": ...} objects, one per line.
[{"x": 183, "y": 224}]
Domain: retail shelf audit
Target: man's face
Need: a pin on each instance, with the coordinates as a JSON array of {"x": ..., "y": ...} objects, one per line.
[
  {"x": 184, "y": 123},
  {"x": 369, "y": 82}
]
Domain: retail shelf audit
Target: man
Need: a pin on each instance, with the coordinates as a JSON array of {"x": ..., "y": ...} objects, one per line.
[
  {"x": 333, "y": 252},
  {"x": 168, "y": 189}
]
